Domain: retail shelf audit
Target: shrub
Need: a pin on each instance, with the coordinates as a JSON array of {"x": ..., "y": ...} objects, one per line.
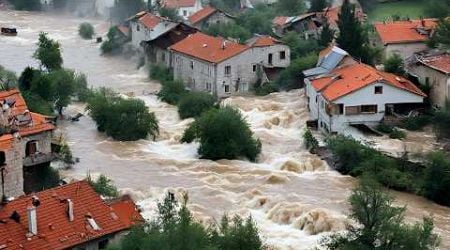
[
  {"x": 441, "y": 122},
  {"x": 86, "y": 30},
  {"x": 383, "y": 128},
  {"x": 310, "y": 141},
  {"x": 36, "y": 104},
  {"x": 193, "y": 104},
  {"x": 394, "y": 64},
  {"x": 229, "y": 30},
  {"x": 437, "y": 178},
  {"x": 48, "y": 53},
  {"x": 103, "y": 186},
  {"x": 65, "y": 156},
  {"x": 122, "y": 119},
  {"x": 113, "y": 43},
  {"x": 290, "y": 78},
  {"x": 172, "y": 91},
  {"x": 161, "y": 73},
  {"x": 266, "y": 89},
  {"x": 415, "y": 123},
  {"x": 397, "y": 134},
  {"x": 223, "y": 134}
]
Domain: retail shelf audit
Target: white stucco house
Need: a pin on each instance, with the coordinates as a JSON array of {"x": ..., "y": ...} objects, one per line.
[
  {"x": 146, "y": 26},
  {"x": 185, "y": 8},
  {"x": 404, "y": 37},
  {"x": 357, "y": 94},
  {"x": 222, "y": 67},
  {"x": 433, "y": 69}
]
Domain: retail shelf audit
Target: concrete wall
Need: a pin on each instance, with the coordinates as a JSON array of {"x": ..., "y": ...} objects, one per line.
[
  {"x": 216, "y": 18},
  {"x": 145, "y": 34},
  {"x": 404, "y": 50},
  {"x": 439, "y": 82},
  {"x": 157, "y": 55}
]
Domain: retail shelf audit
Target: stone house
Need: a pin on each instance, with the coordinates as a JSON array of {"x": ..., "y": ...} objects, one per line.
[
  {"x": 432, "y": 69},
  {"x": 208, "y": 16},
  {"x": 72, "y": 216},
  {"x": 185, "y": 8},
  {"x": 146, "y": 26},
  {"x": 358, "y": 94},
  {"x": 404, "y": 37},
  {"x": 157, "y": 51},
  {"x": 25, "y": 142},
  {"x": 221, "y": 67}
]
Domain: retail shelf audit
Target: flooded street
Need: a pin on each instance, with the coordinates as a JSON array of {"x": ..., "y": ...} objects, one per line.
[{"x": 294, "y": 196}]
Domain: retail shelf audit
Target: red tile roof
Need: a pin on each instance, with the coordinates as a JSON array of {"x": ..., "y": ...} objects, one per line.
[
  {"x": 175, "y": 4},
  {"x": 280, "y": 20},
  {"x": 149, "y": 20},
  {"x": 438, "y": 62},
  {"x": 124, "y": 29},
  {"x": 263, "y": 41},
  {"x": 126, "y": 210},
  {"x": 54, "y": 230},
  {"x": 208, "y": 48},
  {"x": 39, "y": 122},
  {"x": 202, "y": 14},
  {"x": 348, "y": 79},
  {"x": 332, "y": 15},
  {"x": 404, "y": 31}
]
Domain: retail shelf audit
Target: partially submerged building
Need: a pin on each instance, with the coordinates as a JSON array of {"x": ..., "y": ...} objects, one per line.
[
  {"x": 404, "y": 37},
  {"x": 25, "y": 142},
  {"x": 72, "y": 216}
]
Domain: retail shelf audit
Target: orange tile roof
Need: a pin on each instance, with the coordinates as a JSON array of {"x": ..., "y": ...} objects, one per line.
[
  {"x": 332, "y": 15},
  {"x": 127, "y": 212},
  {"x": 175, "y": 4},
  {"x": 6, "y": 142},
  {"x": 264, "y": 41},
  {"x": 348, "y": 79},
  {"x": 280, "y": 20},
  {"x": 438, "y": 62},
  {"x": 208, "y": 48},
  {"x": 54, "y": 230},
  {"x": 124, "y": 29},
  {"x": 149, "y": 20},
  {"x": 39, "y": 122},
  {"x": 404, "y": 31},
  {"x": 202, "y": 14}
]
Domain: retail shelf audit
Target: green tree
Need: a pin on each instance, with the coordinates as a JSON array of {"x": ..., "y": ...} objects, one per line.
[
  {"x": 103, "y": 186},
  {"x": 381, "y": 225},
  {"x": 27, "y": 77},
  {"x": 438, "y": 8},
  {"x": 437, "y": 178},
  {"x": 223, "y": 134},
  {"x": 257, "y": 20},
  {"x": 394, "y": 64},
  {"x": 290, "y": 7},
  {"x": 318, "y": 5},
  {"x": 193, "y": 104},
  {"x": 299, "y": 47},
  {"x": 26, "y": 4},
  {"x": 122, "y": 119},
  {"x": 113, "y": 43},
  {"x": 326, "y": 35},
  {"x": 86, "y": 30},
  {"x": 63, "y": 88},
  {"x": 172, "y": 14},
  {"x": 441, "y": 36},
  {"x": 229, "y": 30},
  {"x": 290, "y": 78},
  {"x": 48, "y": 53},
  {"x": 441, "y": 122},
  {"x": 172, "y": 91},
  {"x": 123, "y": 9},
  {"x": 310, "y": 141},
  {"x": 8, "y": 79},
  {"x": 352, "y": 36}
]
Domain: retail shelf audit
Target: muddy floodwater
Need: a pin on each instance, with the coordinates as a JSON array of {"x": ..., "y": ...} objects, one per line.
[{"x": 293, "y": 195}]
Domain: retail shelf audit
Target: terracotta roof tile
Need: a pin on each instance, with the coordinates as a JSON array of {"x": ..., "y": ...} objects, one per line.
[
  {"x": 150, "y": 21},
  {"x": 280, "y": 20},
  {"x": 345, "y": 80},
  {"x": 55, "y": 231},
  {"x": 201, "y": 14},
  {"x": 263, "y": 41},
  {"x": 404, "y": 31},
  {"x": 127, "y": 212},
  {"x": 208, "y": 48},
  {"x": 438, "y": 62},
  {"x": 175, "y": 4}
]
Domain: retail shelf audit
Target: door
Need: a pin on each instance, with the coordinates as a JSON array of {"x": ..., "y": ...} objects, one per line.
[{"x": 270, "y": 58}]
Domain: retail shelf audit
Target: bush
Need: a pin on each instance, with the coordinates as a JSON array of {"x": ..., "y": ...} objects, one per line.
[
  {"x": 437, "y": 178},
  {"x": 161, "y": 73},
  {"x": 65, "y": 156},
  {"x": 266, "y": 89},
  {"x": 229, "y": 30},
  {"x": 193, "y": 104},
  {"x": 172, "y": 91},
  {"x": 86, "y": 30},
  {"x": 310, "y": 141},
  {"x": 122, "y": 119},
  {"x": 415, "y": 123},
  {"x": 223, "y": 134},
  {"x": 397, "y": 134},
  {"x": 103, "y": 186},
  {"x": 290, "y": 78},
  {"x": 113, "y": 43},
  {"x": 383, "y": 128},
  {"x": 441, "y": 122},
  {"x": 36, "y": 104},
  {"x": 394, "y": 64}
]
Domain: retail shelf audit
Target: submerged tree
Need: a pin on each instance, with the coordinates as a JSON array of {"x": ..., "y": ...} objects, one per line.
[{"x": 48, "y": 53}]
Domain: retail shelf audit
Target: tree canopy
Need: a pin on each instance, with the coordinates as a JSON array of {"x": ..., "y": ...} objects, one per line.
[
  {"x": 8, "y": 79},
  {"x": 318, "y": 5},
  {"x": 193, "y": 104},
  {"x": 48, "y": 53},
  {"x": 86, "y": 30},
  {"x": 394, "y": 64},
  {"x": 223, "y": 134}
]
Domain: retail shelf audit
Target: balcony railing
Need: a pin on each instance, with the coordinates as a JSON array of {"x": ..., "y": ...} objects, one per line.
[{"x": 38, "y": 158}]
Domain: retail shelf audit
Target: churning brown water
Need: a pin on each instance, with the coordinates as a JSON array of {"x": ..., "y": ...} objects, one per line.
[{"x": 294, "y": 196}]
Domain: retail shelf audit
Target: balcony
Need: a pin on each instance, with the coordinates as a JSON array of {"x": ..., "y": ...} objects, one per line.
[{"x": 38, "y": 158}]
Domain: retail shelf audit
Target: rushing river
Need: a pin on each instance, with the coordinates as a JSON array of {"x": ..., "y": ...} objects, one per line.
[{"x": 294, "y": 197}]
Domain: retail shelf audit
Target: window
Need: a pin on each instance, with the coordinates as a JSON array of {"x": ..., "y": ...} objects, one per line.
[
  {"x": 270, "y": 58},
  {"x": 254, "y": 67},
  {"x": 282, "y": 55},
  {"x": 227, "y": 88},
  {"x": 339, "y": 109},
  {"x": 192, "y": 64},
  {"x": 103, "y": 244},
  {"x": 317, "y": 98},
  {"x": 352, "y": 110},
  {"x": 378, "y": 90},
  {"x": 227, "y": 70},
  {"x": 208, "y": 86},
  {"x": 2, "y": 158},
  {"x": 138, "y": 27},
  {"x": 31, "y": 148},
  {"x": 368, "y": 109},
  {"x": 184, "y": 13}
]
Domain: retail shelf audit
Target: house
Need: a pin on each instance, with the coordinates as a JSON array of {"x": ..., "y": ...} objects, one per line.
[
  {"x": 72, "y": 216},
  {"x": 404, "y": 37},
  {"x": 25, "y": 142},
  {"x": 358, "y": 94},
  {"x": 331, "y": 14},
  {"x": 432, "y": 68},
  {"x": 307, "y": 25},
  {"x": 329, "y": 59},
  {"x": 208, "y": 16},
  {"x": 157, "y": 50},
  {"x": 185, "y": 8},
  {"x": 222, "y": 67},
  {"x": 146, "y": 26}
]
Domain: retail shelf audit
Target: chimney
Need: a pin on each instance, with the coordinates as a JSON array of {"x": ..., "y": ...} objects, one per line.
[
  {"x": 32, "y": 220},
  {"x": 70, "y": 209}
]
